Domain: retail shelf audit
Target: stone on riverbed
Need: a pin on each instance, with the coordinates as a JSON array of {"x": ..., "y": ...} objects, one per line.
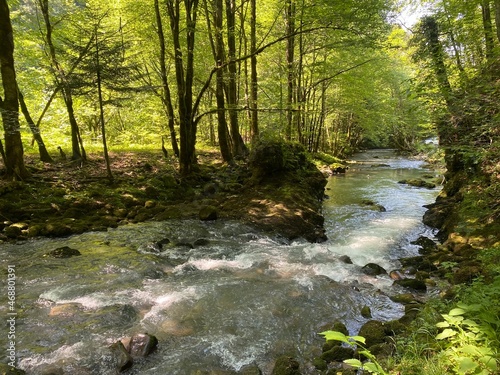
[
  {"x": 62, "y": 252},
  {"x": 372, "y": 269},
  {"x": 121, "y": 357}
]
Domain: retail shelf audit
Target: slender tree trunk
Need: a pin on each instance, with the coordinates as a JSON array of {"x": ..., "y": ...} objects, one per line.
[
  {"x": 2, "y": 152},
  {"x": 167, "y": 98},
  {"x": 35, "y": 130},
  {"x": 497, "y": 18},
  {"x": 9, "y": 106},
  {"x": 290, "y": 59},
  {"x": 184, "y": 78},
  {"x": 488, "y": 29},
  {"x": 78, "y": 151},
  {"x": 239, "y": 148},
  {"x": 101, "y": 110},
  {"x": 254, "y": 116}
]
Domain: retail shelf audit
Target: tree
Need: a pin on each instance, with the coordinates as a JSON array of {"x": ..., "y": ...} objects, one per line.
[{"x": 9, "y": 105}]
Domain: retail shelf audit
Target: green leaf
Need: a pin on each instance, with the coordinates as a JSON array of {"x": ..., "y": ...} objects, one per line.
[
  {"x": 456, "y": 312},
  {"x": 446, "y": 334},
  {"x": 335, "y": 335},
  {"x": 465, "y": 365},
  {"x": 354, "y": 363},
  {"x": 360, "y": 339},
  {"x": 443, "y": 325}
]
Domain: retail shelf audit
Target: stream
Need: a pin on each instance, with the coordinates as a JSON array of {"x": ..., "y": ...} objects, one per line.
[{"x": 236, "y": 297}]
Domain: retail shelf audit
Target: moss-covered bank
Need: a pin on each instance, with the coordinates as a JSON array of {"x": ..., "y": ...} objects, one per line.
[{"x": 279, "y": 190}]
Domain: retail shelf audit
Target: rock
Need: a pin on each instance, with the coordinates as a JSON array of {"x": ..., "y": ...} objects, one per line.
[
  {"x": 414, "y": 284},
  {"x": 418, "y": 182},
  {"x": 161, "y": 243},
  {"x": 149, "y": 204},
  {"x": 373, "y": 269},
  {"x": 208, "y": 213},
  {"x": 371, "y": 204},
  {"x": 404, "y": 298},
  {"x": 427, "y": 245},
  {"x": 395, "y": 275},
  {"x": 62, "y": 252},
  {"x": 12, "y": 231},
  {"x": 142, "y": 345},
  {"x": 320, "y": 364},
  {"x": 122, "y": 359},
  {"x": 201, "y": 242},
  {"x": 286, "y": 365},
  {"x": 374, "y": 332},
  {"x": 366, "y": 312},
  {"x": 250, "y": 370},
  {"x": 345, "y": 259},
  {"x": 66, "y": 309},
  {"x": 337, "y": 354}
]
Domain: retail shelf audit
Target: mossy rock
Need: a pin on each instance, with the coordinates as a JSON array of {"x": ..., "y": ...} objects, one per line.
[
  {"x": 286, "y": 365},
  {"x": 208, "y": 213},
  {"x": 337, "y": 354},
  {"x": 374, "y": 332},
  {"x": 418, "y": 182},
  {"x": 9, "y": 370},
  {"x": 414, "y": 284},
  {"x": 373, "y": 269},
  {"x": 320, "y": 364},
  {"x": 366, "y": 312},
  {"x": 63, "y": 252}
]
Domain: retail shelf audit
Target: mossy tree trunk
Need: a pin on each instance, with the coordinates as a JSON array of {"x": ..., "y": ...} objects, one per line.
[{"x": 9, "y": 106}]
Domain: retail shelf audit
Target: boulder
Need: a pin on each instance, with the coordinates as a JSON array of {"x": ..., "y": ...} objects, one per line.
[
  {"x": 345, "y": 259},
  {"x": 373, "y": 269},
  {"x": 208, "y": 213},
  {"x": 286, "y": 365},
  {"x": 366, "y": 312},
  {"x": 418, "y": 182},
  {"x": 338, "y": 354},
  {"x": 142, "y": 345},
  {"x": 413, "y": 284},
  {"x": 374, "y": 333},
  {"x": 121, "y": 357},
  {"x": 62, "y": 252}
]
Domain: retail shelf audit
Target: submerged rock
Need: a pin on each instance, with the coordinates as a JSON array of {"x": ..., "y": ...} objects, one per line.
[
  {"x": 121, "y": 357},
  {"x": 62, "y": 252}
]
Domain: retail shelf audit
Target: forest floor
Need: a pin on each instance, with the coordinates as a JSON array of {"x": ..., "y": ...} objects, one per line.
[{"x": 65, "y": 198}]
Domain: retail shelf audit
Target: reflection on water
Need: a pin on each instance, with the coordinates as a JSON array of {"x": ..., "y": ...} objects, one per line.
[{"x": 239, "y": 298}]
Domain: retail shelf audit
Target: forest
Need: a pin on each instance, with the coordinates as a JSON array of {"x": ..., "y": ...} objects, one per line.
[{"x": 135, "y": 110}]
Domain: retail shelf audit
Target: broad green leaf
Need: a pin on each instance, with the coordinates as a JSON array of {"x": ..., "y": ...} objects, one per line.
[
  {"x": 354, "y": 362},
  {"x": 446, "y": 334},
  {"x": 443, "y": 325},
  {"x": 466, "y": 364},
  {"x": 334, "y": 335},
  {"x": 457, "y": 311},
  {"x": 360, "y": 339},
  {"x": 372, "y": 367},
  {"x": 469, "y": 349}
]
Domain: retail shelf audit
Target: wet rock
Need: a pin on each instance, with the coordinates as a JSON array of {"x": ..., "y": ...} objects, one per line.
[
  {"x": 49, "y": 369},
  {"x": 12, "y": 231},
  {"x": 418, "y": 182},
  {"x": 161, "y": 243},
  {"x": 337, "y": 354},
  {"x": 62, "y": 252},
  {"x": 366, "y": 312},
  {"x": 427, "y": 245},
  {"x": 396, "y": 275},
  {"x": 414, "y": 284},
  {"x": 374, "y": 332},
  {"x": 250, "y": 370},
  {"x": 9, "y": 370},
  {"x": 372, "y": 269},
  {"x": 66, "y": 309},
  {"x": 320, "y": 364},
  {"x": 286, "y": 365},
  {"x": 404, "y": 298},
  {"x": 57, "y": 230},
  {"x": 208, "y": 213},
  {"x": 201, "y": 242},
  {"x": 345, "y": 259},
  {"x": 121, "y": 357},
  {"x": 142, "y": 345},
  {"x": 371, "y": 204},
  {"x": 437, "y": 213},
  {"x": 419, "y": 263}
]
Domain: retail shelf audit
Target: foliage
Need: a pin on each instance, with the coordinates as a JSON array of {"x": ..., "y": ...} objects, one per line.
[{"x": 372, "y": 366}]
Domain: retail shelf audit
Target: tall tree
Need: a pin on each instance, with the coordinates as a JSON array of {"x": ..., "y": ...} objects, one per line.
[
  {"x": 9, "y": 105},
  {"x": 166, "y": 97},
  {"x": 78, "y": 151}
]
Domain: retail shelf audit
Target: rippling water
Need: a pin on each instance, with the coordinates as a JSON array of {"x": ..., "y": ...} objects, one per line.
[{"x": 239, "y": 298}]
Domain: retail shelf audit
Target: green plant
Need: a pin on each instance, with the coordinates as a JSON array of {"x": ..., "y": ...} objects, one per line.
[
  {"x": 468, "y": 347},
  {"x": 372, "y": 366}
]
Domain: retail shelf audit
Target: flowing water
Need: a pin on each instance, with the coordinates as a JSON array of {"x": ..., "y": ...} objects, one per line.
[{"x": 238, "y": 298}]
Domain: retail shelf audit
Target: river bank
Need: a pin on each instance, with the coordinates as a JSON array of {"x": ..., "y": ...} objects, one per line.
[{"x": 277, "y": 196}]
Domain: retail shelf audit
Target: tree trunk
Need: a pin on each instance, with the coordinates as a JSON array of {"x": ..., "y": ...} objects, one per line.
[
  {"x": 239, "y": 148},
  {"x": 78, "y": 151},
  {"x": 14, "y": 159},
  {"x": 35, "y": 130},
  {"x": 290, "y": 57},
  {"x": 254, "y": 118},
  {"x": 497, "y": 18},
  {"x": 101, "y": 111},
  {"x": 167, "y": 98},
  {"x": 488, "y": 29},
  {"x": 184, "y": 78}
]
